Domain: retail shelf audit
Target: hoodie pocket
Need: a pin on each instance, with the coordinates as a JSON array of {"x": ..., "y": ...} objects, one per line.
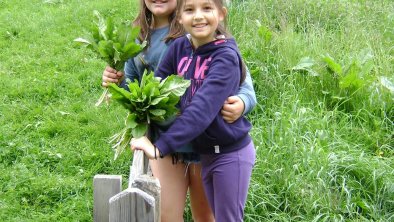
[
  {"x": 218, "y": 133},
  {"x": 204, "y": 141}
]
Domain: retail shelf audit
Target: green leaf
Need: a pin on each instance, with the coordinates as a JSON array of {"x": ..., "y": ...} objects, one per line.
[
  {"x": 151, "y": 90},
  {"x": 118, "y": 47},
  {"x": 139, "y": 130},
  {"x": 83, "y": 41},
  {"x": 127, "y": 34},
  {"x": 101, "y": 25},
  {"x": 134, "y": 32},
  {"x": 157, "y": 112},
  {"x": 109, "y": 28},
  {"x": 95, "y": 34},
  {"x": 121, "y": 95},
  {"x": 264, "y": 33},
  {"x": 174, "y": 84},
  {"x": 171, "y": 100},
  {"x": 135, "y": 91},
  {"x": 106, "y": 49},
  {"x": 130, "y": 50},
  {"x": 171, "y": 111},
  {"x": 351, "y": 79},
  {"x": 157, "y": 119},
  {"x": 146, "y": 78},
  {"x": 158, "y": 99},
  {"x": 131, "y": 120},
  {"x": 332, "y": 65},
  {"x": 304, "y": 64}
]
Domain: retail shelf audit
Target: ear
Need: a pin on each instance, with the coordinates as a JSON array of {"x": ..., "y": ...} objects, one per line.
[{"x": 222, "y": 13}]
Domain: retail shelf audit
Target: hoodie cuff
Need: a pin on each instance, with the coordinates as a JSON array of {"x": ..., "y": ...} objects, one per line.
[{"x": 163, "y": 148}]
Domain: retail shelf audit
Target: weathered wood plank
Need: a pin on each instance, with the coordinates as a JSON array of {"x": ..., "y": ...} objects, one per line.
[
  {"x": 151, "y": 186},
  {"x": 104, "y": 187},
  {"x": 132, "y": 205}
]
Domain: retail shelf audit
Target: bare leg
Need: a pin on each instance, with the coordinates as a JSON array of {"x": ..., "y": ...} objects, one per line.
[
  {"x": 199, "y": 204},
  {"x": 174, "y": 186}
]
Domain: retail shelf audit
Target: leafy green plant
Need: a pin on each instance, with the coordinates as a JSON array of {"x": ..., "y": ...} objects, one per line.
[
  {"x": 113, "y": 44},
  {"x": 353, "y": 79},
  {"x": 151, "y": 101},
  {"x": 305, "y": 64}
]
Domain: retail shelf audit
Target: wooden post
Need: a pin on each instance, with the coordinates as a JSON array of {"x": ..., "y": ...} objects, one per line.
[
  {"x": 151, "y": 186},
  {"x": 104, "y": 187},
  {"x": 132, "y": 205},
  {"x": 141, "y": 201}
]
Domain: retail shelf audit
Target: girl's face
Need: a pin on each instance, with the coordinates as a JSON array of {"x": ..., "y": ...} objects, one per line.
[
  {"x": 201, "y": 18},
  {"x": 161, "y": 9}
]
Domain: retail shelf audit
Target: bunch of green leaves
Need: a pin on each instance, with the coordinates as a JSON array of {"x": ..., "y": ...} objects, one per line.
[
  {"x": 151, "y": 101},
  {"x": 114, "y": 44}
]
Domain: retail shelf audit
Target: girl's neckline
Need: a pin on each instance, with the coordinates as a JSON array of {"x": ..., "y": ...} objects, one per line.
[
  {"x": 217, "y": 38},
  {"x": 160, "y": 28}
]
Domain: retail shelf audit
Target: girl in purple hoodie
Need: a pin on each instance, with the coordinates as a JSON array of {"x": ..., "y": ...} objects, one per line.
[{"x": 210, "y": 59}]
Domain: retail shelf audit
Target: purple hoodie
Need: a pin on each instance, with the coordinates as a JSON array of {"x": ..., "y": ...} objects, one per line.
[{"x": 215, "y": 72}]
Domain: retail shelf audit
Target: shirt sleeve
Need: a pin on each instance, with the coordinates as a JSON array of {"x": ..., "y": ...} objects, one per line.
[{"x": 247, "y": 94}]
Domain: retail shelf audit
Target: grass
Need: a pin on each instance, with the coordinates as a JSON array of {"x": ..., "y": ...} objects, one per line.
[{"x": 325, "y": 149}]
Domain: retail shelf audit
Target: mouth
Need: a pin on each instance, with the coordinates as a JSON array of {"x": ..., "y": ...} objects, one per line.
[
  {"x": 200, "y": 25},
  {"x": 159, "y": 1}
]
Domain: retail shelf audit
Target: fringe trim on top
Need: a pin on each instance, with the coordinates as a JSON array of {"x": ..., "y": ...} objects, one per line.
[{"x": 185, "y": 158}]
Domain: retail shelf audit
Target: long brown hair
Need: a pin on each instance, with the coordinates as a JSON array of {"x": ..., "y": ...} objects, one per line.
[
  {"x": 145, "y": 21},
  {"x": 178, "y": 30}
]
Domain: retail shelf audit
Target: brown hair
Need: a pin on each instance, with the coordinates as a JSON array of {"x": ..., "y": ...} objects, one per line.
[
  {"x": 178, "y": 30},
  {"x": 145, "y": 21}
]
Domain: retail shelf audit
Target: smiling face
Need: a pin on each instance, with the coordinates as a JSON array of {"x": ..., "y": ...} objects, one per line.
[
  {"x": 161, "y": 10},
  {"x": 201, "y": 18}
]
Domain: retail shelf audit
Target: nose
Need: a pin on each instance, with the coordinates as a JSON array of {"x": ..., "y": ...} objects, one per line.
[{"x": 197, "y": 15}]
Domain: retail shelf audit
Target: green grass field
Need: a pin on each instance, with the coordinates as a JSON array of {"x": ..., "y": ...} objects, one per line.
[{"x": 323, "y": 126}]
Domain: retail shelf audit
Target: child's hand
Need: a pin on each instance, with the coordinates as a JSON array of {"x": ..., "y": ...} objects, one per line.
[
  {"x": 111, "y": 75},
  {"x": 145, "y": 145},
  {"x": 233, "y": 108}
]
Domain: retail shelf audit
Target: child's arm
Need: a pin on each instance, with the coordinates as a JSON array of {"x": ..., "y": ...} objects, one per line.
[
  {"x": 240, "y": 104},
  {"x": 144, "y": 144}
]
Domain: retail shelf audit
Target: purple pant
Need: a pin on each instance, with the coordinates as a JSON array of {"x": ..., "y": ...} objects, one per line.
[{"x": 226, "y": 179}]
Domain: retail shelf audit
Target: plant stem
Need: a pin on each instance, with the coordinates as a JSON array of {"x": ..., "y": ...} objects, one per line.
[{"x": 102, "y": 97}]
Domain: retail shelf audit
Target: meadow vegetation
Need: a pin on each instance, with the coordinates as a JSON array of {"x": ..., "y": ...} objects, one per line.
[{"x": 323, "y": 126}]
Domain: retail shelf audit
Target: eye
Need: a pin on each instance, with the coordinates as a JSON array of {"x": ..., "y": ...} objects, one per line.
[
  {"x": 207, "y": 8},
  {"x": 188, "y": 9}
]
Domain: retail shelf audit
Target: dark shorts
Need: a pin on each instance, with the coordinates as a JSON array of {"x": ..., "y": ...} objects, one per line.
[{"x": 188, "y": 157}]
